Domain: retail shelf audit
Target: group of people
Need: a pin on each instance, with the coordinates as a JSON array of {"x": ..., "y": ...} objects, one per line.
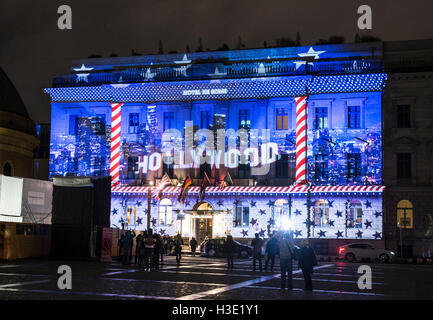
[
  {"x": 150, "y": 249},
  {"x": 282, "y": 244}
]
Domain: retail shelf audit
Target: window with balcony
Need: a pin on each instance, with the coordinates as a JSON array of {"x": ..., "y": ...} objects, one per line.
[
  {"x": 403, "y": 116},
  {"x": 354, "y": 117},
  {"x": 353, "y": 165},
  {"x": 404, "y": 165},
  {"x": 134, "y": 122},
  {"x": 282, "y": 119},
  {"x": 321, "y": 118}
]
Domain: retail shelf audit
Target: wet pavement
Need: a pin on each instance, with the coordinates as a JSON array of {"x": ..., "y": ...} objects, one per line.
[{"x": 201, "y": 278}]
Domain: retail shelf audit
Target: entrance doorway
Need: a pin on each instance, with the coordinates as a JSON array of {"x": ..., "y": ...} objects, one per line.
[{"x": 203, "y": 221}]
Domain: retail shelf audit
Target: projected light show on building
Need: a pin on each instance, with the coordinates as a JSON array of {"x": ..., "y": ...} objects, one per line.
[{"x": 269, "y": 139}]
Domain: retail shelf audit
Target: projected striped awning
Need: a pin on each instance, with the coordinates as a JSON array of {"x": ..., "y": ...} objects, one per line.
[{"x": 244, "y": 190}]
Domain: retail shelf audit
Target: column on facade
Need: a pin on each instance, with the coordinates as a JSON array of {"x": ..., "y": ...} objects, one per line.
[{"x": 115, "y": 142}]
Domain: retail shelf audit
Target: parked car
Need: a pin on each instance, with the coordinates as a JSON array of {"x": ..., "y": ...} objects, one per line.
[
  {"x": 215, "y": 248},
  {"x": 359, "y": 251}
]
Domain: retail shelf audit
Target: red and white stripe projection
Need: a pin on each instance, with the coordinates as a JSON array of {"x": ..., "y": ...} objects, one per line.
[
  {"x": 115, "y": 142},
  {"x": 301, "y": 140}
]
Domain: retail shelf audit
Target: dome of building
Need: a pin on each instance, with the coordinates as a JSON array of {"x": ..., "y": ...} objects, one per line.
[
  {"x": 17, "y": 132},
  {"x": 10, "y": 99}
]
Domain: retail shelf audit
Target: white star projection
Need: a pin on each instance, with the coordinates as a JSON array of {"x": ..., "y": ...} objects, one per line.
[
  {"x": 310, "y": 53},
  {"x": 82, "y": 76}
]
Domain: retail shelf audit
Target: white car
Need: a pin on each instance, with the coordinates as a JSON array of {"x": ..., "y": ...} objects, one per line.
[{"x": 359, "y": 251}]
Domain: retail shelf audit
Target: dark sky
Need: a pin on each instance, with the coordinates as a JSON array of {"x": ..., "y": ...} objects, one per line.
[{"x": 33, "y": 50}]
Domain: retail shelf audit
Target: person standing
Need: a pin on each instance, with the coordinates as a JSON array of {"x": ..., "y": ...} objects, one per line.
[
  {"x": 162, "y": 250},
  {"x": 271, "y": 252},
  {"x": 286, "y": 246},
  {"x": 170, "y": 245},
  {"x": 307, "y": 261},
  {"x": 257, "y": 245},
  {"x": 142, "y": 252},
  {"x": 127, "y": 245},
  {"x": 137, "y": 248},
  {"x": 193, "y": 245},
  {"x": 178, "y": 242},
  {"x": 165, "y": 238},
  {"x": 156, "y": 251},
  {"x": 229, "y": 248},
  {"x": 149, "y": 244},
  {"x": 121, "y": 249}
]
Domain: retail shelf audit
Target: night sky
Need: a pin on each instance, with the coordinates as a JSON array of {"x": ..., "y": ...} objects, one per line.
[{"x": 33, "y": 49}]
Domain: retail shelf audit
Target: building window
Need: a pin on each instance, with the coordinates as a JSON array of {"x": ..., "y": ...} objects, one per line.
[
  {"x": 281, "y": 211},
  {"x": 205, "y": 119},
  {"x": 354, "y": 117},
  {"x": 134, "y": 122},
  {"x": 404, "y": 165},
  {"x": 282, "y": 119},
  {"x": 405, "y": 214},
  {"x": 241, "y": 216},
  {"x": 73, "y": 125},
  {"x": 244, "y": 119},
  {"x": 165, "y": 212},
  {"x": 131, "y": 215},
  {"x": 168, "y": 120},
  {"x": 7, "y": 169},
  {"x": 353, "y": 165},
  {"x": 99, "y": 166},
  {"x": 321, "y": 166},
  {"x": 132, "y": 168},
  {"x": 403, "y": 116},
  {"x": 354, "y": 218},
  {"x": 98, "y": 125},
  {"x": 321, "y": 213},
  {"x": 321, "y": 119},
  {"x": 282, "y": 166}
]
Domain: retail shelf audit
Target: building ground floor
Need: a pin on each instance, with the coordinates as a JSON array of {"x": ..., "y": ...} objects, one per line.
[{"x": 329, "y": 216}]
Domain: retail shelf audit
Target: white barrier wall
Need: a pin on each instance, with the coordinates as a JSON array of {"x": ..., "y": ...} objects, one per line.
[{"x": 25, "y": 200}]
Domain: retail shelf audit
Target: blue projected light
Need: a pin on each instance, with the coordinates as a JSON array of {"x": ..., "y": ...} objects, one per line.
[{"x": 222, "y": 89}]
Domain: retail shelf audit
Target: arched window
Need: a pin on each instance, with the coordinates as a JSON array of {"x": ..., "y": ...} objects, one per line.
[
  {"x": 281, "y": 211},
  {"x": 321, "y": 213},
  {"x": 7, "y": 169},
  {"x": 405, "y": 214},
  {"x": 165, "y": 212},
  {"x": 354, "y": 218}
]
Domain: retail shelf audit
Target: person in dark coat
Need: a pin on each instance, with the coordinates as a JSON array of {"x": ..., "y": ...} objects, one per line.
[
  {"x": 178, "y": 242},
  {"x": 137, "y": 248},
  {"x": 162, "y": 250},
  {"x": 229, "y": 249},
  {"x": 156, "y": 251},
  {"x": 149, "y": 244},
  {"x": 287, "y": 254},
  {"x": 120, "y": 245},
  {"x": 193, "y": 244},
  {"x": 271, "y": 251},
  {"x": 257, "y": 245},
  {"x": 170, "y": 245},
  {"x": 307, "y": 261},
  {"x": 127, "y": 245},
  {"x": 142, "y": 249}
]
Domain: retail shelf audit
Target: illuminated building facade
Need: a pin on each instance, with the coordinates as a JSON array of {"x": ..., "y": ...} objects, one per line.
[{"x": 302, "y": 138}]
